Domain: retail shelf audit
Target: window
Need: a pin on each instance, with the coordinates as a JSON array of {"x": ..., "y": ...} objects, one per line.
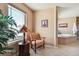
[{"x": 19, "y": 18}]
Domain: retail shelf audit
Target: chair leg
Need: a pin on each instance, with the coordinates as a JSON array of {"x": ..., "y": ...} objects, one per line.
[
  {"x": 43, "y": 44},
  {"x": 35, "y": 47},
  {"x": 35, "y": 51}
]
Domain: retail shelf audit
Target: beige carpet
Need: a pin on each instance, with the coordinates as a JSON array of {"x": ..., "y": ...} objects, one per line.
[{"x": 62, "y": 50}]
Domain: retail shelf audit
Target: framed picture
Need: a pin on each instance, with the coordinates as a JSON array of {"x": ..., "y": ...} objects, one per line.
[
  {"x": 44, "y": 23},
  {"x": 63, "y": 25}
]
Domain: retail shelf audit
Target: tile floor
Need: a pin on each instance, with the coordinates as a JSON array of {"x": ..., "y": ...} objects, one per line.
[{"x": 62, "y": 50}]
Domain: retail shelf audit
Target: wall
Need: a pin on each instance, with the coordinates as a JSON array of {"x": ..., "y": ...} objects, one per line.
[
  {"x": 70, "y": 21},
  {"x": 50, "y": 31},
  {"x": 68, "y": 12},
  {"x": 23, "y": 7},
  {"x": 3, "y": 7}
]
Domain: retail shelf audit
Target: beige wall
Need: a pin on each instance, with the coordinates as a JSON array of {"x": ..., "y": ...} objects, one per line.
[
  {"x": 50, "y": 31},
  {"x": 23, "y": 7},
  {"x": 70, "y": 21},
  {"x": 3, "y": 7}
]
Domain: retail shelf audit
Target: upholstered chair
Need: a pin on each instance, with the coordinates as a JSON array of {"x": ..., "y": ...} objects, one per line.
[{"x": 36, "y": 41}]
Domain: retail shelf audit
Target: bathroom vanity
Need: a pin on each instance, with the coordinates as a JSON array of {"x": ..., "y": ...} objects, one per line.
[{"x": 66, "y": 38}]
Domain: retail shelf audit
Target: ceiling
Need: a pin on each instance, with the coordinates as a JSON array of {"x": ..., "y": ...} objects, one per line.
[
  {"x": 65, "y": 10},
  {"x": 39, "y": 6}
]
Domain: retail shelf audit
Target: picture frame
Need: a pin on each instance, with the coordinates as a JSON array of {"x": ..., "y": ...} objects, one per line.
[
  {"x": 44, "y": 23},
  {"x": 63, "y": 25}
]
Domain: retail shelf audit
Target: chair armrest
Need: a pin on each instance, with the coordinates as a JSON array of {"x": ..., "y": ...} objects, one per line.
[
  {"x": 33, "y": 40},
  {"x": 43, "y": 39}
]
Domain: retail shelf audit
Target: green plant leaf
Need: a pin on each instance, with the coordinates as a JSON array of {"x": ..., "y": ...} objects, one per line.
[{"x": 6, "y": 32}]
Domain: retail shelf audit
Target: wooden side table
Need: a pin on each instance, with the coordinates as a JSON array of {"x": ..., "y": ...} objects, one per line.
[{"x": 24, "y": 50}]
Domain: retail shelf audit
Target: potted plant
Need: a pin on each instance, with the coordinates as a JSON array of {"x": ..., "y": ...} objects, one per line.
[{"x": 6, "y": 31}]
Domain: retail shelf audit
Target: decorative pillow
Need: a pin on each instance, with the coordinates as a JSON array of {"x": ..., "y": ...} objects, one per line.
[{"x": 38, "y": 36}]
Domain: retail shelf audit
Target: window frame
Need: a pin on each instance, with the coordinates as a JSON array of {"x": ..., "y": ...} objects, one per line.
[
  {"x": 25, "y": 18},
  {"x": 25, "y": 21}
]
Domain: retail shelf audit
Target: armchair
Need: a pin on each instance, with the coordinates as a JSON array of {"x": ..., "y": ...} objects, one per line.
[{"x": 36, "y": 41}]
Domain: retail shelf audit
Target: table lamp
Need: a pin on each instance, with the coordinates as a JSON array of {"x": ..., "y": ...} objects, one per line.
[
  {"x": 24, "y": 48},
  {"x": 24, "y": 30}
]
